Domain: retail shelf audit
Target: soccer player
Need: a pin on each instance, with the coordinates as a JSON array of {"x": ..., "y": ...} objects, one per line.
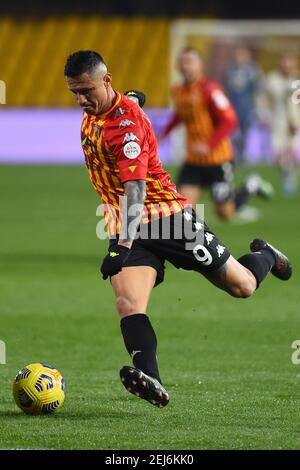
[
  {"x": 278, "y": 112},
  {"x": 148, "y": 220},
  {"x": 242, "y": 79},
  {"x": 201, "y": 105}
]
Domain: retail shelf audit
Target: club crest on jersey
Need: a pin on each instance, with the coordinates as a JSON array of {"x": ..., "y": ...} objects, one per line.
[
  {"x": 129, "y": 136},
  {"x": 126, "y": 123},
  {"x": 132, "y": 150}
]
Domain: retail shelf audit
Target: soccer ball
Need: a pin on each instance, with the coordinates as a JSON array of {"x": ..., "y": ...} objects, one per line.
[{"x": 39, "y": 389}]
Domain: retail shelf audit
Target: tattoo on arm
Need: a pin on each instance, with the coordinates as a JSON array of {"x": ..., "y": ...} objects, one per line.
[{"x": 132, "y": 210}]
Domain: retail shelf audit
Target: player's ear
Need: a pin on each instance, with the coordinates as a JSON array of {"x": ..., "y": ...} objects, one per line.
[{"x": 107, "y": 79}]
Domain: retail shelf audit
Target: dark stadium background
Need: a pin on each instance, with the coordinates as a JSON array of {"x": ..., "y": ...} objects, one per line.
[{"x": 188, "y": 8}]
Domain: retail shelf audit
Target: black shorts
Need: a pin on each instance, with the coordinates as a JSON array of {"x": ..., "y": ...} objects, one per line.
[
  {"x": 182, "y": 239},
  {"x": 219, "y": 178}
]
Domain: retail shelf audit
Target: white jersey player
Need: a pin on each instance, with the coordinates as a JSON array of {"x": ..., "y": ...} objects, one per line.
[{"x": 278, "y": 111}]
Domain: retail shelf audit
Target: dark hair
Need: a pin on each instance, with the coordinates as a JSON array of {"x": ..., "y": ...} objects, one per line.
[{"x": 82, "y": 61}]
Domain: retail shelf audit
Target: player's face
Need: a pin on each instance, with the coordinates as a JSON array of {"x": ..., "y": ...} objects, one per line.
[
  {"x": 242, "y": 55},
  {"x": 190, "y": 66},
  {"x": 92, "y": 92},
  {"x": 288, "y": 65}
]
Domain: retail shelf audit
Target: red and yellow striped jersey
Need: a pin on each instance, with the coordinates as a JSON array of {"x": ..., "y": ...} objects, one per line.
[
  {"x": 120, "y": 145},
  {"x": 208, "y": 117}
]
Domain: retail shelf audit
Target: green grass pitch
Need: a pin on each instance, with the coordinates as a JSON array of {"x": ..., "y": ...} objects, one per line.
[{"x": 225, "y": 362}]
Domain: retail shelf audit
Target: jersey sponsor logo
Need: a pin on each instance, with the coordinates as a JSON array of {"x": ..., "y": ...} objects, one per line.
[
  {"x": 126, "y": 123},
  {"x": 220, "y": 99},
  {"x": 132, "y": 150},
  {"x": 129, "y": 136}
]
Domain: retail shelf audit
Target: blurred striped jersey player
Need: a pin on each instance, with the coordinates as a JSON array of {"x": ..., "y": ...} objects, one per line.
[{"x": 209, "y": 119}]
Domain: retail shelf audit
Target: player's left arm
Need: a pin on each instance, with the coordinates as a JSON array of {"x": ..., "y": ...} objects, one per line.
[{"x": 223, "y": 114}]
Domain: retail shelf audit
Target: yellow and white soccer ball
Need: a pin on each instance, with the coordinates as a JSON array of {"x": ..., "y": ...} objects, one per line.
[{"x": 39, "y": 389}]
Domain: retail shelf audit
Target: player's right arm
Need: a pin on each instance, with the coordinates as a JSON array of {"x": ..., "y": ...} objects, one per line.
[
  {"x": 130, "y": 146},
  {"x": 132, "y": 210},
  {"x": 131, "y": 214},
  {"x": 222, "y": 111},
  {"x": 171, "y": 124}
]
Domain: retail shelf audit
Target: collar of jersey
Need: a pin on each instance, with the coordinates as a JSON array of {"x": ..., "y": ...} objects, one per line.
[
  {"x": 196, "y": 83},
  {"x": 115, "y": 104}
]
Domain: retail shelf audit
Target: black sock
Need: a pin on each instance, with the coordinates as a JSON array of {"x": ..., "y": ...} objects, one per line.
[
  {"x": 241, "y": 196},
  {"x": 260, "y": 264},
  {"x": 140, "y": 341}
]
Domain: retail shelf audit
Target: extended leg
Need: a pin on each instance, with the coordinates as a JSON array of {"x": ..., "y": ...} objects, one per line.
[
  {"x": 225, "y": 210},
  {"x": 191, "y": 191},
  {"x": 235, "y": 279},
  {"x": 132, "y": 287},
  {"x": 241, "y": 278}
]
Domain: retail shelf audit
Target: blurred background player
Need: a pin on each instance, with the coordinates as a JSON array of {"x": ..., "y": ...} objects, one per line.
[
  {"x": 201, "y": 105},
  {"x": 241, "y": 81},
  {"x": 278, "y": 112}
]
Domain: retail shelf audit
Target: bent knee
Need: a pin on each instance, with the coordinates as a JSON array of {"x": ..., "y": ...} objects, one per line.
[
  {"x": 243, "y": 289},
  {"x": 225, "y": 212},
  {"x": 127, "y": 306},
  {"x": 225, "y": 215}
]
